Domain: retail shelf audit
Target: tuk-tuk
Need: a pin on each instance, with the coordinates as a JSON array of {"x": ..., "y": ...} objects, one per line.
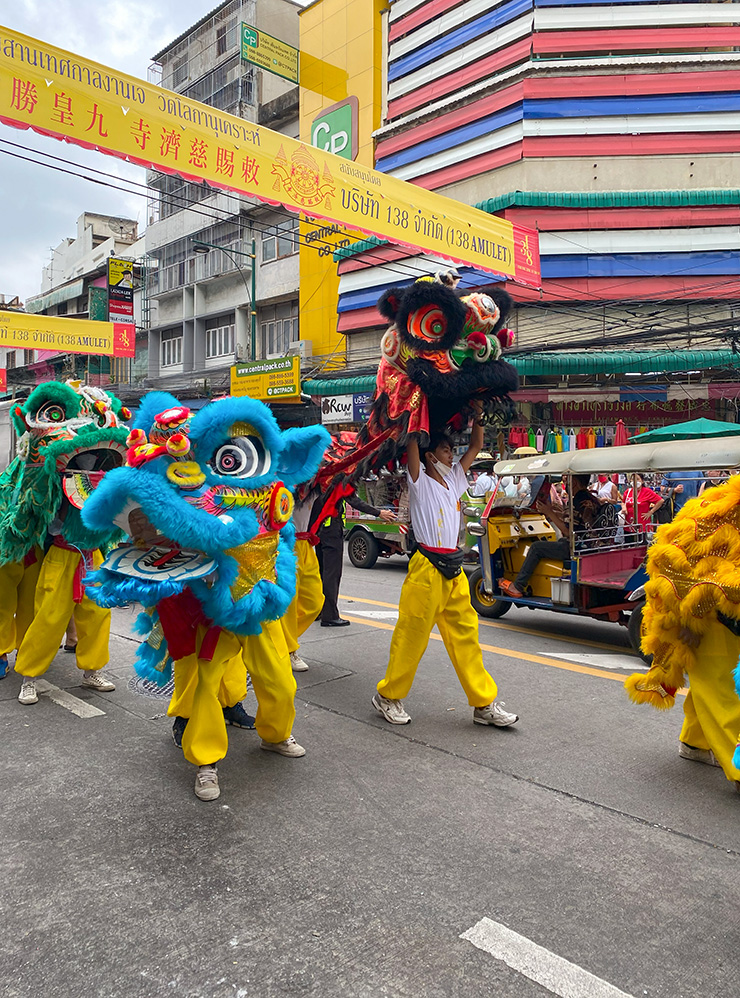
[{"x": 605, "y": 575}]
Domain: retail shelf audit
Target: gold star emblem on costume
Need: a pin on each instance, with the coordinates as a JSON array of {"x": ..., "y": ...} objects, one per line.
[{"x": 256, "y": 560}]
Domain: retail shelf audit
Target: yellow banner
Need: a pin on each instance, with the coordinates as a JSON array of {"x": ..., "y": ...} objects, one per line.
[
  {"x": 57, "y": 93},
  {"x": 277, "y": 380},
  {"x": 47, "y": 332}
]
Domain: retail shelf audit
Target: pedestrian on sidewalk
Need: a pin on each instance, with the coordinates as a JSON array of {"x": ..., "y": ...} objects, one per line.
[{"x": 436, "y": 590}]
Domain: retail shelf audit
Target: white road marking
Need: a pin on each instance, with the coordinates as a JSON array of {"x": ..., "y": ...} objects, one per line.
[
  {"x": 628, "y": 663},
  {"x": 375, "y": 614},
  {"x": 559, "y": 976},
  {"x": 79, "y": 707}
]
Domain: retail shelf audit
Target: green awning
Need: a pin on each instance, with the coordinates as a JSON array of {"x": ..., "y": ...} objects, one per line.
[
  {"x": 692, "y": 429},
  {"x": 562, "y": 362},
  {"x": 568, "y": 362},
  {"x": 340, "y": 386}
]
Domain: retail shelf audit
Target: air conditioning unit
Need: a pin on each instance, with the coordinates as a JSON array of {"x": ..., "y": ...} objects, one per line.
[{"x": 302, "y": 349}]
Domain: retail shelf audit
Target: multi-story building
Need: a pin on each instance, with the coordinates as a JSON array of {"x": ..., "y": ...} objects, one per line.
[
  {"x": 74, "y": 284},
  {"x": 222, "y": 269},
  {"x": 612, "y": 129}
]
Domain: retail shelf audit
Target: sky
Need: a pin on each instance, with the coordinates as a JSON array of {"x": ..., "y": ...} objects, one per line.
[{"x": 41, "y": 206}]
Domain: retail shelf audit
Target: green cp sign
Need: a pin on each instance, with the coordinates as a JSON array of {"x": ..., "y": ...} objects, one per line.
[{"x": 335, "y": 129}]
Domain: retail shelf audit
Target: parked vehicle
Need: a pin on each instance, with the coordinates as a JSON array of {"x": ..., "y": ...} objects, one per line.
[{"x": 605, "y": 576}]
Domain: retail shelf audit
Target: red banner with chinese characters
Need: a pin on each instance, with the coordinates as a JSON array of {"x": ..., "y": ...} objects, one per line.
[
  {"x": 3, "y": 380},
  {"x": 62, "y": 95}
]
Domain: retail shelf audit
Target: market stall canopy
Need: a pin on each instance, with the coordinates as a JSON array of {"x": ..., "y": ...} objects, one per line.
[
  {"x": 705, "y": 454},
  {"x": 690, "y": 430},
  {"x": 68, "y": 97}
]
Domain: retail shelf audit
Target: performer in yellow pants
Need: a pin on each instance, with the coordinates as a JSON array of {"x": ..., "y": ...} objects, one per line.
[
  {"x": 307, "y": 602},
  {"x": 17, "y": 589},
  {"x": 59, "y": 594},
  {"x": 436, "y": 590},
  {"x": 428, "y": 598},
  {"x": 197, "y": 685},
  {"x": 712, "y": 707}
]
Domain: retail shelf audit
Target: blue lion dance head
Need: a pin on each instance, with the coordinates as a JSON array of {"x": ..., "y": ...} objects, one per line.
[{"x": 207, "y": 497}]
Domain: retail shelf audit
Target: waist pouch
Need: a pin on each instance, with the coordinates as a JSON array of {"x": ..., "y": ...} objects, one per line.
[{"x": 450, "y": 565}]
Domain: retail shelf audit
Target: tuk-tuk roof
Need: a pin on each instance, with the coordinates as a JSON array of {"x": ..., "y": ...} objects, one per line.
[{"x": 706, "y": 454}]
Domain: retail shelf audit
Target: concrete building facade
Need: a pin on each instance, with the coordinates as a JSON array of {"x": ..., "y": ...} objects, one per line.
[{"x": 222, "y": 269}]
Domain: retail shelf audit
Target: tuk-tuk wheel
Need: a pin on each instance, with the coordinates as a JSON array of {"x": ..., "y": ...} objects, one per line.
[
  {"x": 362, "y": 548},
  {"x": 634, "y": 631},
  {"x": 483, "y": 604}
]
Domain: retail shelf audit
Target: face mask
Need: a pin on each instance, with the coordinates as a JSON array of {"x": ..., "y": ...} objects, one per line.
[{"x": 443, "y": 470}]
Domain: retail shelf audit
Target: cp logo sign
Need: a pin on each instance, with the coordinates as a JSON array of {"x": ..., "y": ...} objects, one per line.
[{"x": 335, "y": 129}]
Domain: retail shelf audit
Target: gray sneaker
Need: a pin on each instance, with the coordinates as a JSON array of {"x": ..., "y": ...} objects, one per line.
[
  {"x": 494, "y": 714},
  {"x": 697, "y": 754},
  {"x": 92, "y": 679},
  {"x": 289, "y": 748},
  {"x": 392, "y": 710},
  {"x": 206, "y": 783},
  {"x": 28, "y": 692}
]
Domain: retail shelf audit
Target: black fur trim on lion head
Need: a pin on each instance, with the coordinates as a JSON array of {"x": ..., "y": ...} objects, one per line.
[
  {"x": 389, "y": 302},
  {"x": 428, "y": 305}
]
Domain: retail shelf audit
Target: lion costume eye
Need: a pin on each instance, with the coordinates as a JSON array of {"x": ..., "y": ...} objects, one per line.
[
  {"x": 245, "y": 457},
  {"x": 52, "y": 412},
  {"x": 428, "y": 323}
]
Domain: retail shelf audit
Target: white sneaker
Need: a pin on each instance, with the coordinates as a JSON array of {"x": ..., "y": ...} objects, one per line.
[
  {"x": 94, "y": 681},
  {"x": 296, "y": 663},
  {"x": 697, "y": 754},
  {"x": 206, "y": 783},
  {"x": 28, "y": 692},
  {"x": 289, "y": 748},
  {"x": 495, "y": 714},
  {"x": 392, "y": 710}
]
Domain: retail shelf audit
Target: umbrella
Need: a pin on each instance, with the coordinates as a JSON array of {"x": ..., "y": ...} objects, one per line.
[
  {"x": 690, "y": 430},
  {"x": 620, "y": 434}
]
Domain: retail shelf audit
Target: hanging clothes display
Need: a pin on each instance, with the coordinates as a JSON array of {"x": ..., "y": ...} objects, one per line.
[{"x": 550, "y": 443}]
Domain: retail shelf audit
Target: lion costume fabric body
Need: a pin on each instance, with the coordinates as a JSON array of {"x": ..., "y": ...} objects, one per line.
[
  {"x": 694, "y": 568},
  {"x": 440, "y": 352}
]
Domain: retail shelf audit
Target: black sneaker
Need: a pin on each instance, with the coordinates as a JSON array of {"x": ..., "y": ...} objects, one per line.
[
  {"x": 178, "y": 729},
  {"x": 238, "y": 716}
]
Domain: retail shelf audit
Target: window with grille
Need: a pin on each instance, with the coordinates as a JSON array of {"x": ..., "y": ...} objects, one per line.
[
  {"x": 281, "y": 241},
  {"x": 179, "y": 71},
  {"x": 171, "y": 348},
  {"x": 220, "y": 337},
  {"x": 10, "y": 359},
  {"x": 279, "y": 329}
]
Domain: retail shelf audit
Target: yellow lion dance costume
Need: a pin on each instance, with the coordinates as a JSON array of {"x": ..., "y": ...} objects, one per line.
[{"x": 694, "y": 569}]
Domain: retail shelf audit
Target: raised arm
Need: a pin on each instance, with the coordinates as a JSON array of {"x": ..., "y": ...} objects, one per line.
[
  {"x": 412, "y": 457},
  {"x": 476, "y": 440}
]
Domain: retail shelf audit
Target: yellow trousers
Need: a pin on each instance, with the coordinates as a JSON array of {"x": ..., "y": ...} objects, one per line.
[
  {"x": 428, "y": 598},
  {"x": 309, "y": 595},
  {"x": 712, "y": 707},
  {"x": 54, "y": 605},
  {"x": 17, "y": 589},
  {"x": 199, "y": 685}
]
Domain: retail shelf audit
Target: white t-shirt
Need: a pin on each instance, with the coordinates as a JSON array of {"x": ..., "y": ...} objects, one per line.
[
  {"x": 483, "y": 483},
  {"x": 435, "y": 510},
  {"x": 302, "y": 515}
]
